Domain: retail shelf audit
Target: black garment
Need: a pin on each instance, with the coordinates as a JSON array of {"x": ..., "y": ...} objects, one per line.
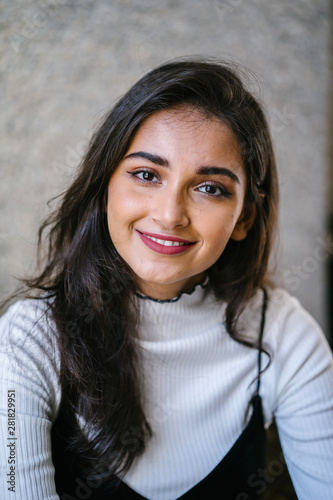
[{"x": 234, "y": 478}]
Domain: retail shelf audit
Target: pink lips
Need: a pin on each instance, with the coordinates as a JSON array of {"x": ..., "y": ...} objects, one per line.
[{"x": 165, "y": 249}]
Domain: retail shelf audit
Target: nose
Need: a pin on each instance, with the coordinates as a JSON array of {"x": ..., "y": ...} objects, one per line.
[{"x": 170, "y": 208}]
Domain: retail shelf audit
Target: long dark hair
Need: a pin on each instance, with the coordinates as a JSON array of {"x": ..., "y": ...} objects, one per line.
[{"x": 91, "y": 289}]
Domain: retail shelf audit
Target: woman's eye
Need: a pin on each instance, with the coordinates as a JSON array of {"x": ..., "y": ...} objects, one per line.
[
  {"x": 213, "y": 190},
  {"x": 144, "y": 175}
]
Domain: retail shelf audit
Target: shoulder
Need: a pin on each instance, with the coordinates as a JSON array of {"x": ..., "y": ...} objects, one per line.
[
  {"x": 286, "y": 320},
  {"x": 282, "y": 307},
  {"x": 296, "y": 344},
  {"x": 289, "y": 325},
  {"x": 28, "y": 318},
  {"x": 301, "y": 367},
  {"x": 29, "y": 341}
]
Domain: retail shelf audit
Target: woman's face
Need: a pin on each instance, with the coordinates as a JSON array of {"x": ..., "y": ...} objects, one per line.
[{"x": 176, "y": 199}]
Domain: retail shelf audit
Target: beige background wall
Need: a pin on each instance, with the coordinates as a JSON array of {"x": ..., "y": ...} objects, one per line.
[{"x": 65, "y": 62}]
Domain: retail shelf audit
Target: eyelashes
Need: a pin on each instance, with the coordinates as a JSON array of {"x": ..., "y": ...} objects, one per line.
[{"x": 208, "y": 188}]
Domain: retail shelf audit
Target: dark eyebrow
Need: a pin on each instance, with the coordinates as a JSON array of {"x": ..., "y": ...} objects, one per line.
[
  {"x": 218, "y": 171},
  {"x": 204, "y": 170},
  {"x": 158, "y": 160}
]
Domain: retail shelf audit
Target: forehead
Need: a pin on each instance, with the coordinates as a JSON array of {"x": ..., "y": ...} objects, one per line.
[{"x": 187, "y": 130}]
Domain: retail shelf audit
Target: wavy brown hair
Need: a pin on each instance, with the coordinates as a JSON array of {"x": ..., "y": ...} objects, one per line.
[{"x": 92, "y": 290}]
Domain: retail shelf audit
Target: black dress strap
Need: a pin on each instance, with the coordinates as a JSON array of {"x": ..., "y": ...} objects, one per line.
[{"x": 261, "y": 334}]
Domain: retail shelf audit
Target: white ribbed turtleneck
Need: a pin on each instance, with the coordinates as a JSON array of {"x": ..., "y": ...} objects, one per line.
[
  {"x": 196, "y": 377},
  {"x": 198, "y": 383}
]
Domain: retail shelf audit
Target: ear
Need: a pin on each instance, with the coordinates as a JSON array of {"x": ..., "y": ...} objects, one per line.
[{"x": 244, "y": 222}]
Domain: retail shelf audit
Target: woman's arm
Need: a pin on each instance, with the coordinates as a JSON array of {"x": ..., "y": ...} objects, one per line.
[
  {"x": 303, "y": 406},
  {"x": 29, "y": 399}
]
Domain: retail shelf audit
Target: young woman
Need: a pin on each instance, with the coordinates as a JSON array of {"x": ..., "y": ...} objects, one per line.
[{"x": 154, "y": 351}]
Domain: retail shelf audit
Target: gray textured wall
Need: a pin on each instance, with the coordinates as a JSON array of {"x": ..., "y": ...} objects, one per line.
[{"x": 65, "y": 62}]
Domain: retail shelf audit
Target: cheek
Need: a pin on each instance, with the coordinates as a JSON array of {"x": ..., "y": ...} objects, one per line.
[
  {"x": 124, "y": 209},
  {"x": 217, "y": 230}
]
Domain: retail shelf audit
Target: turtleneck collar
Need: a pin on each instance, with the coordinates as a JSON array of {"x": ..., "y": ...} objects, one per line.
[
  {"x": 204, "y": 284},
  {"x": 188, "y": 314}
]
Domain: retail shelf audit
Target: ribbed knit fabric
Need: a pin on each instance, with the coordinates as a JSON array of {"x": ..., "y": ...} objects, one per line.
[{"x": 197, "y": 385}]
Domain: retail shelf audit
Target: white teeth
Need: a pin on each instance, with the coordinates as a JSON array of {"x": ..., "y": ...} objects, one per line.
[{"x": 166, "y": 243}]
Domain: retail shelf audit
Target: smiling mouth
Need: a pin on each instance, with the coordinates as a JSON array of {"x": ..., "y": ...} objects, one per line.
[
  {"x": 164, "y": 245},
  {"x": 167, "y": 243}
]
